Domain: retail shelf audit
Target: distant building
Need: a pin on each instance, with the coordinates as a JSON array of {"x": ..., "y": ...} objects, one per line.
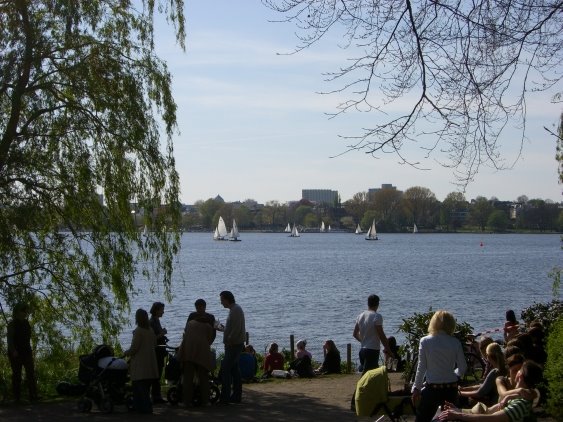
[
  {"x": 384, "y": 186},
  {"x": 320, "y": 196}
]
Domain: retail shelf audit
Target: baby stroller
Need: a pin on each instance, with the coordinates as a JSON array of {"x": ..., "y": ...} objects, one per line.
[
  {"x": 105, "y": 378},
  {"x": 372, "y": 397},
  {"x": 173, "y": 375}
]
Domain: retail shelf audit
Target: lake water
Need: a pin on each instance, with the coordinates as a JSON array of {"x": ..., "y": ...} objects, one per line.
[{"x": 314, "y": 286}]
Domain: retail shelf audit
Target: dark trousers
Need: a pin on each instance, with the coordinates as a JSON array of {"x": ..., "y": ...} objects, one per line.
[
  {"x": 431, "y": 398},
  {"x": 141, "y": 395},
  {"x": 17, "y": 363},
  {"x": 369, "y": 359},
  {"x": 190, "y": 370},
  {"x": 230, "y": 373}
]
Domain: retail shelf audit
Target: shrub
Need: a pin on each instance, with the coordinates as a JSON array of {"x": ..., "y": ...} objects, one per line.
[
  {"x": 554, "y": 369},
  {"x": 546, "y": 313}
]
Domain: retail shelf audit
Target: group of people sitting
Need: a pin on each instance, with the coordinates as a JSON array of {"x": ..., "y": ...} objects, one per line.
[
  {"x": 302, "y": 364},
  {"x": 508, "y": 389}
]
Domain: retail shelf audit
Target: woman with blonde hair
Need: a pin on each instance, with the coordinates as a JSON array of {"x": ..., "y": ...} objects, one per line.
[
  {"x": 487, "y": 391},
  {"x": 441, "y": 362}
]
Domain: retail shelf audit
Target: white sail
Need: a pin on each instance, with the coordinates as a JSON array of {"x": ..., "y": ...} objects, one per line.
[
  {"x": 372, "y": 232},
  {"x": 322, "y": 226},
  {"x": 288, "y": 228},
  {"x": 221, "y": 230},
  {"x": 234, "y": 235},
  {"x": 329, "y": 229},
  {"x": 294, "y": 231},
  {"x": 415, "y": 229},
  {"x": 358, "y": 230},
  {"x": 145, "y": 231}
]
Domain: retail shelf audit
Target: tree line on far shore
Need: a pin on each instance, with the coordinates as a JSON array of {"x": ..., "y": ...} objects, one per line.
[{"x": 393, "y": 211}]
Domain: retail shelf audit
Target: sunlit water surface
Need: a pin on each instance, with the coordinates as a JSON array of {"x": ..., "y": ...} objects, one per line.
[{"x": 314, "y": 286}]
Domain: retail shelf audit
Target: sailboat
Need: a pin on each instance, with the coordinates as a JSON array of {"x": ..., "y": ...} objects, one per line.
[
  {"x": 322, "y": 227},
  {"x": 145, "y": 231},
  {"x": 220, "y": 230},
  {"x": 329, "y": 229},
  {"x": 415, "y": 229},
  {"x": 372, "y": 233},
  {"x": 358, "y": 230},
  {"x": 294, "y": 231},
  {"x": 288, "y": 228},
  {"x": 233, "y": 236}
]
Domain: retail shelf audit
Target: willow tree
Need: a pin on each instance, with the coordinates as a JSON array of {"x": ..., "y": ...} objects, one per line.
[
  {"x": 86, "y": 112},
  {"x": 449, "y": 77}
]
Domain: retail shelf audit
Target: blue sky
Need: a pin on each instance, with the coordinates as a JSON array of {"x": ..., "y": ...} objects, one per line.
[{"x": 253, "y": 126}]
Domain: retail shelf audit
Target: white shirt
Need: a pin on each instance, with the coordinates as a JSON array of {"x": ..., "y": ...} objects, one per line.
[
  {"x": 367, "y": 321},
  {"x": 440, "y": 359}
]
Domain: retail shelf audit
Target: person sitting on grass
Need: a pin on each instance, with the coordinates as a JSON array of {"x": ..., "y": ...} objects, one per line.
[
  {"x": 483, "y": 343},
  {"x": 302, "y": 364},
  {"x": 331, "y": 363},
  {"x": 487, "y": 391},
  {"x": 274, "y": 360},
  {"x": 515, "y": 407}
]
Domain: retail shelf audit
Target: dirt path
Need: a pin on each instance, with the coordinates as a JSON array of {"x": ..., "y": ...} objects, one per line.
[{"x": 324, "y": 399}]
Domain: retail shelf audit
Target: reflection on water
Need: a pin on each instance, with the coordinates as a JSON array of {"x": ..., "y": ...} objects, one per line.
[{"x": 315, "y": 285}]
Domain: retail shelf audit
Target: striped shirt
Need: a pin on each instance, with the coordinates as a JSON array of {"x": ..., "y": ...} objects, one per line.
[{"x": 518, "y": 409}]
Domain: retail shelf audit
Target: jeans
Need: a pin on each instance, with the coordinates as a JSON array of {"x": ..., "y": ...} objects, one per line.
[
  {"x": 141, "y": 395},
  {"x": 230, "y": 373},
  {"x": 430, "y": 399},
  {"x": 369, "y": 359}
]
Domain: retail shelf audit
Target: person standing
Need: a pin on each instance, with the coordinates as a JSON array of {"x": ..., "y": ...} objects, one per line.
[
  {"x": 441, "y": 363},
  {"x": 156, "y": 311},
  {"x": 201, "y": 314},
  {"x": 196, "y": 358},
  {"x": 369, "y": 332},
  {"x": 234, "y": 336},
  {"x": 143, "y": 367},
  {"x": 20, "y": 353}
]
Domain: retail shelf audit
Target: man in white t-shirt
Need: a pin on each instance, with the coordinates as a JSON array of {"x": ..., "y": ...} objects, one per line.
[{"x": 369, "y": 332}]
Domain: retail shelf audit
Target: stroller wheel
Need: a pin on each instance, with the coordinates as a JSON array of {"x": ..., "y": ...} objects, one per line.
[
  {"x": 129, "y": 402},
  {"x": 173, "y": 395},
  {"x": 214, "y": 393},
  {"x": 106, "y": 405},
  {"x": 84, "y": 405}
]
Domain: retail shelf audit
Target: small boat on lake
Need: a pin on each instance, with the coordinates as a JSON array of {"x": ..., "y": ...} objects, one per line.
[
  {"x": 359, "y": 230},
  {"x": 322, "y": 230},
  {"x": 372, "y": 233},
  {"x": 294, "y": 231},
  {"x": 234, "y": 235},
  {"x": 414, "y": 228},
  {"x": 288, "y": 229},
  {"x": 220, "y": 230}
]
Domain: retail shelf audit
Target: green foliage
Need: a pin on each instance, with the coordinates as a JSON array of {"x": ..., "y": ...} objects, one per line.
[
  {"x": 555, "y": 275},
  {"x": 554, "y": 369},
  {"x": 546, "y": 313},
  {"x": 497, "y": 221},
  {"x": 81, "y": 98}
]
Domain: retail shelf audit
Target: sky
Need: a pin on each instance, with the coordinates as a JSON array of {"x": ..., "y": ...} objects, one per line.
[{"x": 252, "y": 124}]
